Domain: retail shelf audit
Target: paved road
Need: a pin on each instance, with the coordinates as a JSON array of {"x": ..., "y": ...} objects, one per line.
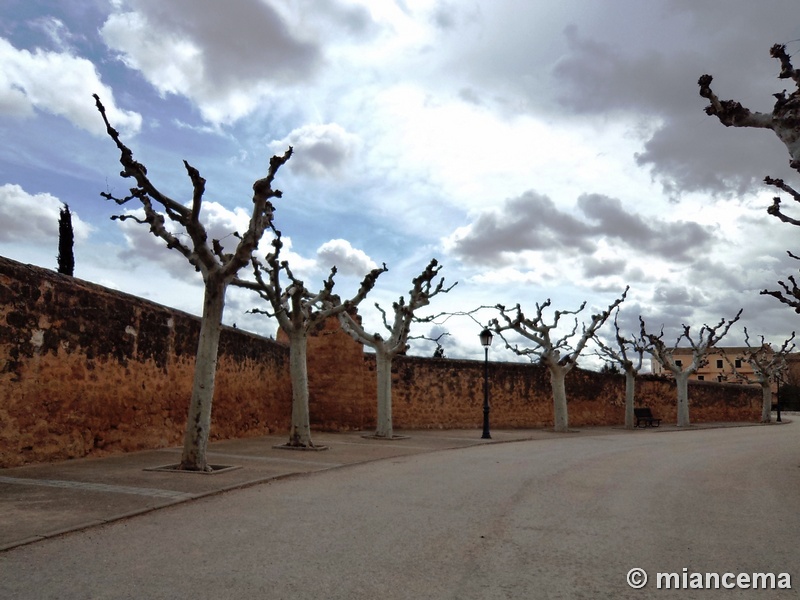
[{"x": 565, "y": 517}]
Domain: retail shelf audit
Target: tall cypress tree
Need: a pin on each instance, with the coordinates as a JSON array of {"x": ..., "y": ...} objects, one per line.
[{"x": 66, "y": 239}]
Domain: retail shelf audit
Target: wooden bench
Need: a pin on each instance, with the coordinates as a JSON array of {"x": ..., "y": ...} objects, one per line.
[{"x": 644, "y": 418}]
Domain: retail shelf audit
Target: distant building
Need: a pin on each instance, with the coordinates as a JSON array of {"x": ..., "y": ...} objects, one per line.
[{"x": 716, "y": 368}]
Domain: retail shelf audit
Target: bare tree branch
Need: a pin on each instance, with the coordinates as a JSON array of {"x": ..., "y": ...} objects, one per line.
[
  {"x": 217, "y": 267},
  {"x": 782, "y": 120},
  {"x": 790, "y": 294},
  {"x": 629, "y": 353},
  {"x": 787, "y": 71},
  {"x": 540, "y": 333},
  {"x": 708, "y": 337},
  {"x": 765, "y": 362},
  {"x": 767, "y": 365},
  {"x": 298, "y": 311},
  {"x": 470, "y": 314},
  {"x": 420, "y": 295},
  {"x": 625, "y": 347},
  {"x": 556, "y": 354},
  {"x": 207, "y": 259},
  {"x": 729, "y": 112}
]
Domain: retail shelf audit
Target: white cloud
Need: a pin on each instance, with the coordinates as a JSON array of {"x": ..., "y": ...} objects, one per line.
[
  {"x": 126, "y": 32},
  {"x": 33, "y": 218},
  {"x": 60, "y": 84},
  {"x": 56, "y": 31},
  {"x": 226, "y": 61},
  {"x": 302, "y": 267},
  {"x": 505, "y": 275},
  {"x": 346, "y": 259},
  {"x": 319, "y": 150}
]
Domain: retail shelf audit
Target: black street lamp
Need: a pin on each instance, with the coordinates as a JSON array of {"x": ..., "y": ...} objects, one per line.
[{"x": 486, "y": 341}]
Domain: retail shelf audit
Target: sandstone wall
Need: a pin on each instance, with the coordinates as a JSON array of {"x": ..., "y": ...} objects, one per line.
[
  {"x": 86, "y": 371},
  {"x": 339, "y": 393},
  {"x": 449, "y": 394}
]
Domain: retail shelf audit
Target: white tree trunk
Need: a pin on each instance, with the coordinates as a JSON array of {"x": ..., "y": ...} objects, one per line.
[
  {"x": 630, "y": 394},
  {"x": 766, "y": 402},
  {"x": 300, "y": 433},
  {"x": 558, "y": 376},
  {"x": 198, "y": 422},
  {"x": 682, "y": 382},
  {"x": 384, "y": 366}
]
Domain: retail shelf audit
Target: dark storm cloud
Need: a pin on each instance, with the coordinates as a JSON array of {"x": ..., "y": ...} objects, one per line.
[
  {"x": 637, "y": 64},
  {"x": 530, "y": 222},
  {"x": 686, "y": 150},
  {"x": 248, "y": 40},
  {"x": 678, "y": 296},
  {"x": 533, "y": 222},
  {"x": 713, "y": 159},
  {"x": 354, "y": 21},
  {"x": 675, "y": 240},
  {"x": 594, "y": 267},
  {"x": 319, "y": 150},
  {"x": 601, "y": 77}
]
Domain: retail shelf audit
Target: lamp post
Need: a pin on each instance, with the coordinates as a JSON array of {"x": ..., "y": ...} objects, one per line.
[{"x": 486, "y": 341}]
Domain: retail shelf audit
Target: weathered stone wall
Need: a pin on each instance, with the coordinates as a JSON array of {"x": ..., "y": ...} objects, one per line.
[
  {"x": 338, "y": 394},
  {"x": 337, "y": 381},
  {"x": 449, "y": 394},
  {"x": 87, "y": 371}
]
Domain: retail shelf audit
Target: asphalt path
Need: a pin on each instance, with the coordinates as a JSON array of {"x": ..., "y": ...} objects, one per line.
[{"x": 566, "y": 517}]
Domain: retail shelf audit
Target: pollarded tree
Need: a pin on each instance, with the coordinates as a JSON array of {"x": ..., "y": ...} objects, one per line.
[
  {"x": 783, "y": 121},
  {"x": 789, "y": 294},
  {"x": 66, "y": 241},
  {"x": 422, "y": 291},
  {"x": 767, "y": 365},
  {"x": 217, "y": 267},
  {"x": 664, "y": 355},
  {"x": 556, "y": 353},
  {"x": 783, "y": 118},
  {"x": 298, "y": 312},
  {"x": 628, "y": 354}
]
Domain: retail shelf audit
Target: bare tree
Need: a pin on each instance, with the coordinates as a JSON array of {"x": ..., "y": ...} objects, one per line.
[
  {"x": 783, "y": 121},
  {"x": 629, "y": 354},
  {"x": 554, "y": 352},
  {"x": 709, "y": 337},
  {"x": 789, "y": 294},
  {"x": 217, "y": 267},
  {"x": 298, "y": 312},
  {"x": 783, "y": 118},
  {"x": 397, "y": 342},
  {"x": 66, "y": 241},
  {"x": 767, "y": 365}
]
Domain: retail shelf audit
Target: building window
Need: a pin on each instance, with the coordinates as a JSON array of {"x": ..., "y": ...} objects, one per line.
[
  {"x": 701, "y": 377},
  {"x": 738, "y": 363},
  {"x": 719, "y": 363},
  {"x": 679, "y": 363}
]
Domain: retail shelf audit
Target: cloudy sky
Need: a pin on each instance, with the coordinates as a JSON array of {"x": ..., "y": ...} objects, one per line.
[{"x": 541, "y": 149}]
